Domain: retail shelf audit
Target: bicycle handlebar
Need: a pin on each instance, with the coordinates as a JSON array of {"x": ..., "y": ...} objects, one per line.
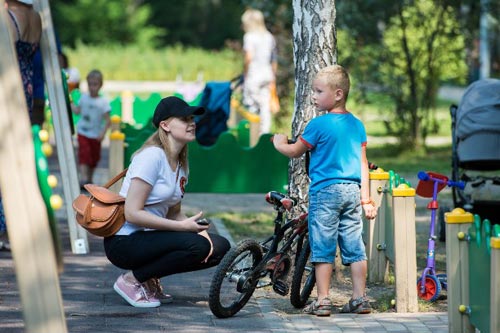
[
  {"x": 279, "y": 199},
  {"x": 422, "y": 175}
]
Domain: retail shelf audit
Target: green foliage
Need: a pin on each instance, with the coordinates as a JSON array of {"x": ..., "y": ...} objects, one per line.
[
  {"x": 142, "y": 63},
  {"x": 200, "y": 23},
  {"x": 423, "y": 47},
  {"x": 105, "y": 21}
]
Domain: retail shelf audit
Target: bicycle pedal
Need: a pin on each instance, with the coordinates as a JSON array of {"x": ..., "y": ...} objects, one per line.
[
  {"x": 263, "y": 283},
  {"x": 281, "y": 287}
]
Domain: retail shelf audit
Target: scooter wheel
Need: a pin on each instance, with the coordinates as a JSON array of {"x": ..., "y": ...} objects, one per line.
[{"x": 432, "y": 288}]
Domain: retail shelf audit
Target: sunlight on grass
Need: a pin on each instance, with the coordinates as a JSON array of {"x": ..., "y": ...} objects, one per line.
[
  {"x": 392, "y": 157},
  {"x": 256, "y": 226}
]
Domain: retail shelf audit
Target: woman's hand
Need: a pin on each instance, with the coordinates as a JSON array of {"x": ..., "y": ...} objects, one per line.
[{"x": 191, "y": 224}]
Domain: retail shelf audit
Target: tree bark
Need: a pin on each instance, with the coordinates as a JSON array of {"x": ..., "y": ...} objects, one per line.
[{"x": 314, "y": 47}]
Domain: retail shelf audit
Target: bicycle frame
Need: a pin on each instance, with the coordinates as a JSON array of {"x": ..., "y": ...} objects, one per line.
[{"x": 280, "y": 231}]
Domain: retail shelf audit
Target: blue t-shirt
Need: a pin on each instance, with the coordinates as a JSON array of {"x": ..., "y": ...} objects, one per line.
[{"x": 335, "y": 141}]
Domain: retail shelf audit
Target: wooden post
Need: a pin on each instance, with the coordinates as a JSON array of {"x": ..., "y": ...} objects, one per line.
[
  {"x": 495, "y": 285},
  {"x": 64, "y": 143},
  {"x": 375, "y": 229},
  {"x": 116, "y": 143},
  {"x": 457, "y": 269},
  {"x": 25, "y": 211},
  {"x": 405, "y": 254},
  {"x": 127, "y": 99},
  {"x": 254, "y": 133}
]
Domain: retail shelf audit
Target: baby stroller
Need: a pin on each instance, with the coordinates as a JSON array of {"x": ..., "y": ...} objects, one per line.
[{"x": 475, "y": 128}]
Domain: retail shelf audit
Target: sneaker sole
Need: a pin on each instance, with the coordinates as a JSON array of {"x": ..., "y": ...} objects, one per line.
[{"x": 132, "y": 302}]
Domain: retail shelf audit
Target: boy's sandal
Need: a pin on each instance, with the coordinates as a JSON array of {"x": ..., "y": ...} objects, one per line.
[
  {"x": 321, "y": 308},
  {"x": 359, "y": 305}
]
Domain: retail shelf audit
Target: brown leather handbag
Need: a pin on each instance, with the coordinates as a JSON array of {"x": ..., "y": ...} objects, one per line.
[{"x": 101, "y": 212}]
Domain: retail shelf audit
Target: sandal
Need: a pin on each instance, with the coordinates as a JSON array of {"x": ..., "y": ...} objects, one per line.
[
  {"x": 359, "y": 305},
  {"x": 319, "y": 308}
]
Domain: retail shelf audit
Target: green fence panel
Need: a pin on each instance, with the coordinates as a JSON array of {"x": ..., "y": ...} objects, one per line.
[
  {"x": 116, "y": 107},
  {"x": 134, "y": 139},
  {"x": 226, "y": 167},
  {"x": 143, "y": 109},
  {"x": 479, "y": 271}
]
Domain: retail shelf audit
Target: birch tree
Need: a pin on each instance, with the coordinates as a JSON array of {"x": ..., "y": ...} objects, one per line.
[{"x": 314, "y": 47}]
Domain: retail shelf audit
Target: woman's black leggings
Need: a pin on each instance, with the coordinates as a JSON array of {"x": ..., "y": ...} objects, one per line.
[{"x": 155, "y": 254}]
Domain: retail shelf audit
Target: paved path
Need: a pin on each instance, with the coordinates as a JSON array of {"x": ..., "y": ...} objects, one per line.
[{"x": 91, "y": 305}]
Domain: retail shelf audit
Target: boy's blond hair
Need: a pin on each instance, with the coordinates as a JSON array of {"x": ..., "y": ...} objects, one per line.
[
  {"x": 336, "y": 77},
  {"x": 95, "y": 74}
]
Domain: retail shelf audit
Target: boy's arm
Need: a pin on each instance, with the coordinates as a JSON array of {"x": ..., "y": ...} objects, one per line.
[
  {"x": 291, "y": 150},
  {"x": 75, "y": 108},
  {"x": 107, "y": 119},
  {"x": 366, "y": 202}
]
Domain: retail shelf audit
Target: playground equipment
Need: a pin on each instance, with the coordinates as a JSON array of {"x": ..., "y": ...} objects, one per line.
[
  {"x": 390, "y": 237},
  {"x": 430, "y": 284},
  {"x": 473, "y": 266}
]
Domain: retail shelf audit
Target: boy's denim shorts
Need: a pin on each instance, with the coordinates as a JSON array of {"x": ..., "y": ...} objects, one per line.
[{"x": 335, "y": 213}]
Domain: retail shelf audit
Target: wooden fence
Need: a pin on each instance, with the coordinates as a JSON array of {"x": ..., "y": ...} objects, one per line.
[
  {"x": 473, "y": 273},
  {"x": 390, "y": 237}
]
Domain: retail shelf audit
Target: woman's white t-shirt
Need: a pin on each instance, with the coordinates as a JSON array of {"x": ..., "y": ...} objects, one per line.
[{"x": 151, "y": 166}]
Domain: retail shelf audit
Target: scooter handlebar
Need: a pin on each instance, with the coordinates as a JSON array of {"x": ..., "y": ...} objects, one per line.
[{"x": 422, "y": 175}]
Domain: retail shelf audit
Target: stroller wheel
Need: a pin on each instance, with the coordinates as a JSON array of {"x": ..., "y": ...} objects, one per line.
[{"x": 432, "y": 288}]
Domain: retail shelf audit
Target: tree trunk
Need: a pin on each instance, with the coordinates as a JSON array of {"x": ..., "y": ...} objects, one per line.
[{"x": 314, "y": 47}]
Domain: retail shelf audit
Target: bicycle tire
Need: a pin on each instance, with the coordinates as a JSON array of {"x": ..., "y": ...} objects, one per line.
[
  {"x": 304, "y": 278},
  {"x": 226, "y": 303}
]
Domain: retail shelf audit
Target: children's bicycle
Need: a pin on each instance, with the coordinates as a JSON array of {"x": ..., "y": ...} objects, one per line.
[
  {"x": 251, "y": 265},
  {"x": 430, "y": 284}
]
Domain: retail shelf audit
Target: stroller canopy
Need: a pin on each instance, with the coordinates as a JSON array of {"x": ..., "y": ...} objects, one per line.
[
  {"x": 478, "y": 123},
  {"x": 216, "y": 99}
]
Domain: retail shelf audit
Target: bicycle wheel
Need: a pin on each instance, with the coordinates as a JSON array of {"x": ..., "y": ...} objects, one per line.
[
  {"x": 232, "y": 284},
  {"x": 304, "y": 278}
]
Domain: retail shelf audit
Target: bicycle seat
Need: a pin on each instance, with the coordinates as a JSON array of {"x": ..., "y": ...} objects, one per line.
[{"x": 280, "y": 200}]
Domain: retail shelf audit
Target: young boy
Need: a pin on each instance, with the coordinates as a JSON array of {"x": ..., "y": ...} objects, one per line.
[
  {"x": 339, "y": 188},
  {"x": 92, "y": 126}
]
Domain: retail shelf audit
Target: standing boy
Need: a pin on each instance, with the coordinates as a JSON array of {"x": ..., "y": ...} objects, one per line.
[
  {"x": 92, "y": 126},
  {"x": 339, "y": 188}
]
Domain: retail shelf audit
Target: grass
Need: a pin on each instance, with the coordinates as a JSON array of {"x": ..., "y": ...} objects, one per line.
[
  {"x": 134, "y": 63},
  {"x": 256, "y": 226},
  {"x": 392, "y": 157}
]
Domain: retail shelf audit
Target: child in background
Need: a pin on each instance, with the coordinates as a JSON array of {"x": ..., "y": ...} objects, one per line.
[
  {"x": 339, "y": 188},
  {"x": 92, "y": 126}
]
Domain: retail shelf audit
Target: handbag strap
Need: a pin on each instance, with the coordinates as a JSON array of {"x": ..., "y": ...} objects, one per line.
[{"x": 116, "y": 178}]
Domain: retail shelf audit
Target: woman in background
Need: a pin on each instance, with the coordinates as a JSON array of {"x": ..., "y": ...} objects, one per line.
[{"x": 260, "y": 55}]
